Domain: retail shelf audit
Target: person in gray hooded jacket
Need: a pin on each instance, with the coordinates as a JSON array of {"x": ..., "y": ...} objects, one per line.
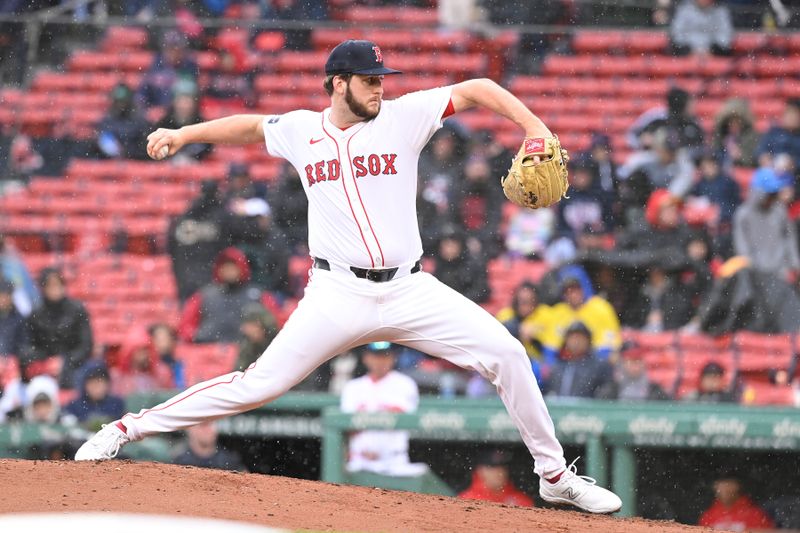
[{"x": 762, "y": 230}]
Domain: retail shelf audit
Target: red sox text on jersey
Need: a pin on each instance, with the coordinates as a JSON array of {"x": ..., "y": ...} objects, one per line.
[{"x": 372, "y": 165}]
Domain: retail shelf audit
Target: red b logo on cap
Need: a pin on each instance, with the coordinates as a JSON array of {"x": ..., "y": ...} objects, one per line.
[{"x": 378, "y": 54}]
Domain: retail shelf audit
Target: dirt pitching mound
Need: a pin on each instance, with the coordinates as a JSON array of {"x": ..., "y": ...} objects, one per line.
[{"x": 121, "y": 486}]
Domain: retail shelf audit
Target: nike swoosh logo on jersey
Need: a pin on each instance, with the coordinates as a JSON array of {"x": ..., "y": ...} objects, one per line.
[{"x": 315, "y": 141}]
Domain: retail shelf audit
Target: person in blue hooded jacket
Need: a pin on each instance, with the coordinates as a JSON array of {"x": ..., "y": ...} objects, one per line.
[{"x": 95, "y": 405}]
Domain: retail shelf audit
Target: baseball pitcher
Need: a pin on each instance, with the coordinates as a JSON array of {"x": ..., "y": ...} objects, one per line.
[{"x": 357, "y": 160}]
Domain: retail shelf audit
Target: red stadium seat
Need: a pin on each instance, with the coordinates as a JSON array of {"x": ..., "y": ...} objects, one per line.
[
  {"x": 119, "y": 38},
  {"x": 603, "y": 41},
  {"x": 206, "y": 361},
  {"x": 760, "y": 393},
  {"x": 646, "y": 42}
]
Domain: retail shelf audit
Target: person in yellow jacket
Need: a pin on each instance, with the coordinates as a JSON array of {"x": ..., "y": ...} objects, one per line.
[
  {"x": 526, "y": 317},
  {"x": 598, "y": 315}
]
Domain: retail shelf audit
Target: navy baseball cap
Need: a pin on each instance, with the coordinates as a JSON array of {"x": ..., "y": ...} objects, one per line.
[{"x": 357, "y": 57}]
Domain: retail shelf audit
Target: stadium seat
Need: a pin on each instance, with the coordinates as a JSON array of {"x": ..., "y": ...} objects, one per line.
[
  {"x": 760, "y": 393},
  {"x": 602, "y": 41},
  {"x": 206, "y": 361},
  {"x": 124, "y": 38}
]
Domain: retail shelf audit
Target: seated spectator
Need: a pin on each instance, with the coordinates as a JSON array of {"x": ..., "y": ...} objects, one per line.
[
  {"x": 23, "y": 162},
  {"x": 172, "y": 64},
  {"x": 630, "y": 379},
  {"x": 762, "y": 230},
  {"x": 665, "y": 235},
  {"x": 598, "y": 161},
  {"x": 263, "y": 243},
  {"x": 735, "y": 138},
  {"x": 26, "y": 295},
  {"x": 718, "y": 187},
  {"x": 485, "y": 145},
  {"x": 782, "y": 138},
  {"x": 183, "y": 111},
  {"x": 95, "y": 405},
  {"x": 290, "y": 213},
  {"x": 664, "y": 303},
  {"x": 382, "y": 389},
  {"x": 122, "y": 129},
  {"x": 578, "y": 373},
  {"x": 584, "y": 215},
  {"x": 164, "y": 338},
  {"x": 478, "y": 204},
  {"x": 666, "y": 164},
  {"x": 459, "y": 270},
  {"x": 592, "y": 311},
  {"x": 712, "y": 387},
  {"x": 139, "y": 368},
  {"x": 214, "y": 313},
  {"x": 702, "y": 27},
  {"x": 13, "y": 333},
  {"x": 529, "y": 232},
  {"x": 196, "y": 237},
  {"x": 677, "y": 116},
  {"x": 32, "y": 401},
  {"x": 41, "y": 401},
  {"x": 58, "y": 330},
  {"x": 784, "y": 167},
  {"x": 258, "y": 329},
  {"x": 203, "y": 450},
  {"x": 732, "y": 510},
  {"x": 441, "y": 166},
  {"x": 240, "y": 186},
  {"x": 491, "y": 481},
  {"x": 229, "y": 82},
  {"x": 524, "y": 318}
]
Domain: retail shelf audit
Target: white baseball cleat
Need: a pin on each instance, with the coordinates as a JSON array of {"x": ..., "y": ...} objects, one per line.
[
  {"x": 105, "y": 444},
  {"x": 580, "y": 491}
]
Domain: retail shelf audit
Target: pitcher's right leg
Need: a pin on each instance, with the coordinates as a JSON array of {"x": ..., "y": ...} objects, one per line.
[{"x": 330, "y": 319}]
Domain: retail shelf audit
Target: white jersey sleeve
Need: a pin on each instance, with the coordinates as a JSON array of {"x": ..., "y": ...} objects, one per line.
[
  {"x": 282, "y": 131},
  {"x": 419, "y": 114}
]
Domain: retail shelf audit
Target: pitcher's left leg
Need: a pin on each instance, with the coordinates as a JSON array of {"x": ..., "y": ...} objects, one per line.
[{"x": 432, "y": 318}]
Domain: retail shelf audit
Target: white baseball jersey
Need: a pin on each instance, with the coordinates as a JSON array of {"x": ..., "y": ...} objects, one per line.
[
  {"x": 361, "y": 182},
  {"x": 395, "y": 393}
]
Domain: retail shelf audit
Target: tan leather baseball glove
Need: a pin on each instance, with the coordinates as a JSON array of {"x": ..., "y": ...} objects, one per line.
[{"x": 535, "y": 185}]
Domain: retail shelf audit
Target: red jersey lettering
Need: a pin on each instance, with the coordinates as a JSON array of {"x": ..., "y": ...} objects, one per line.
[
  {"x": 319, "y": 171},
  {"x": 310, "y": 175},
  {"x": 374, "y": 164},
  {"x": 388, "y": 162},
  {"x": 361, "y": 170},
  {"x": 333, "y": 170}
]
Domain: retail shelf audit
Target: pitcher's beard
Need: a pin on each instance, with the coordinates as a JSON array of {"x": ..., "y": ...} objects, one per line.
[{"x": 358, "y": 109}]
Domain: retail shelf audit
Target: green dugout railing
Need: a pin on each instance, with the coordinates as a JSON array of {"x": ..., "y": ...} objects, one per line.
[
  {"x": 598, "y": 426},
  {"x": 608, "y": 431}
]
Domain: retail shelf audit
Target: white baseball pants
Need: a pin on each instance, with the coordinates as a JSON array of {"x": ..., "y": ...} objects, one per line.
[{"x": 339, "y": 312}]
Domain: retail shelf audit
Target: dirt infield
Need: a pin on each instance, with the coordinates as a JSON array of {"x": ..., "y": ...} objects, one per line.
[{"x": 121, "y": 486}]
